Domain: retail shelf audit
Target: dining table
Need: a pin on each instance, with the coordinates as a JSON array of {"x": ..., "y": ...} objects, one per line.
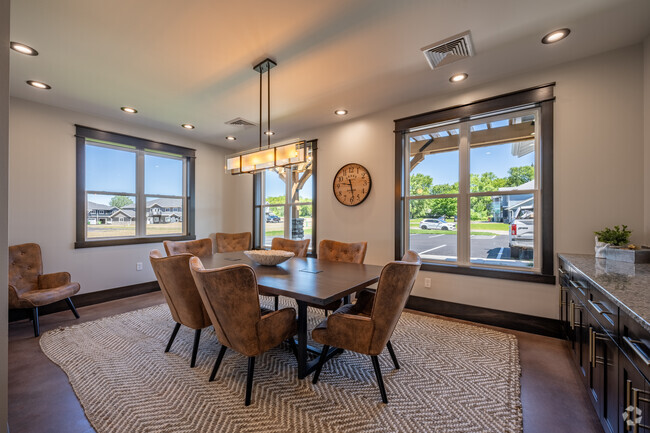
[{"x": 307, "y": 280}]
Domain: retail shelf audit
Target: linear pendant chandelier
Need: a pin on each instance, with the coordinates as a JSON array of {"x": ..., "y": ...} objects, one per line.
[{"x": 262, "y": 158}]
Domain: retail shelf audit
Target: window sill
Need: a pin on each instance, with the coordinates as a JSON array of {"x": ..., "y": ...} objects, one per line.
[
  {"x": 490, "y": 273},
  {"x": 132, "y": 241}
]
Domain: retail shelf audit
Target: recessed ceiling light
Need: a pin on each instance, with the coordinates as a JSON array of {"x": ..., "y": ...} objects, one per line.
[
  {"x": 231, "y": 138},
  {"x": 341, "y": 112},
  {"x": 187, "y": 126},
  {"x": 129, "y": 110},
  {"x": 555, "y": 36},
  {"x": 38, "y": 84},
  {"x": 458, "y": 77},
  {"x": 23, "y": 49},
  {"x": 269, "y": 133}
]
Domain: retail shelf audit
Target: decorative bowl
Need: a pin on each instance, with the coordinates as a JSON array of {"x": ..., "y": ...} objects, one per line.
[{"x": 269, "y": 257}]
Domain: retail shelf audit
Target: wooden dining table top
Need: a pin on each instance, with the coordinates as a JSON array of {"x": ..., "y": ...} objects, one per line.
[{"x": 305, "y": 279}]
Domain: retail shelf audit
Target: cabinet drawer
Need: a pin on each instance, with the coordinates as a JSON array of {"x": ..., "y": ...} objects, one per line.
[
  {"x": 635, "y": 343},
  {"x": 604, "y": 311},
  {"x": 579, "y": 286}
]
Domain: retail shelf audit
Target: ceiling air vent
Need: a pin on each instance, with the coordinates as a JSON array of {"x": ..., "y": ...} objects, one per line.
[
  {"x": 240, "y": 122},
  {"x": 449, "y": 50}
]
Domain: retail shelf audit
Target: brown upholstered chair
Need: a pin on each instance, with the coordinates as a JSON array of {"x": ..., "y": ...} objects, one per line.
[
  {"x": 340, "y": 252},
  {"x": 199, "y": 247},
  {"x": 366, "y": 326},
  {"x": 299, "y": 248},
  {"x": 29, "y": 288},
  {"x": 229, "y": 242},
  {"x": 176, "y": 283},
  {"x": 231, "y": 297}
]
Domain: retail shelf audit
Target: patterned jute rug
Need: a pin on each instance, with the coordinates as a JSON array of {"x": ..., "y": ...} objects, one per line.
[{"x": 453, "y": 378}]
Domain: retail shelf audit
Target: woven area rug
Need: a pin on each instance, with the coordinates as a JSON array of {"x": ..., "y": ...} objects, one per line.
[{"x": 453, "y": 378}]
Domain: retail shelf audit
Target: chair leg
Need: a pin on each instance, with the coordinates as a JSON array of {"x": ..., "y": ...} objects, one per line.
[
  {"x": 294, "y": 349},
  {"x": 380, "y": 381},
  {"x": 71, "y": 306},
  {"x": 277, "y": 303},
  {"x": 37, "y": 331},
  {"x": 195, "y": 348},
  {"x": 249, "y": 380},
  {"x": 171, "y": 339},
  {"x": 218, "y": 363},
  {"x": 321, "y": 362},
  {"x": 392, "y": 354},
  {"x": 325, "y": 313}
]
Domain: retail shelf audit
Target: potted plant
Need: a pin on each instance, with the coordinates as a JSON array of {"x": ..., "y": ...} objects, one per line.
[{"x": 613, "y": 244}]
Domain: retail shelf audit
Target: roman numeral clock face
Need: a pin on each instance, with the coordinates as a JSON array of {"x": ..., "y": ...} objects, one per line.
[{"x": 352, "y": 184}]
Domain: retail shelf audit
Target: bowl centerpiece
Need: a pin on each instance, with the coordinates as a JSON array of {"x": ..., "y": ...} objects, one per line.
[{"x": 269, "y": 257}]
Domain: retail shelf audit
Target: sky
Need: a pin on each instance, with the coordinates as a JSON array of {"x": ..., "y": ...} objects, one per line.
[
  {"x": 114, "y": 170},
  {"x": 274, "y": 186}
]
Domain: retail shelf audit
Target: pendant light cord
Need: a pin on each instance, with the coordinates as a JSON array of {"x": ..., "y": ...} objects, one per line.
[
  {"x": 260, "y": 108},
  {"x": 268, "y": 106}
]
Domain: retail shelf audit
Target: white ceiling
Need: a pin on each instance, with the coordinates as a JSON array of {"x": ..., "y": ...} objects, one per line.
[{"x": 191, "y": 61}]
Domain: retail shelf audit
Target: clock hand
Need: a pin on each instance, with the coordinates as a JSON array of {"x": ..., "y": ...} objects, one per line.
[{"x": 351, "y": 189}]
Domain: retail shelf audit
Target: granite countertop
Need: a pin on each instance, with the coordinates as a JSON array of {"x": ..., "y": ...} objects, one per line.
[{"x": 627, "y": 284}]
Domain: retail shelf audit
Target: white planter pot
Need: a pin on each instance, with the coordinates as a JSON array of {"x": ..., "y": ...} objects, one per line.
[{"x": 600, "y": 248}]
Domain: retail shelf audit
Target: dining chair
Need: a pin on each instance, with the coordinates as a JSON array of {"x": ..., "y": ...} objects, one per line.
[
  {"x": 366, "y": 326},
  {"x": 229, "y": 242},
  {"x": 335, "y": 251},
  {"x": 178, "y": 287},
  {"x": 231, "y": 297},
  {"x": 299, "y": 248},
  {"x": 30, "y": 289},
  {"x": 199, "y": 247}
]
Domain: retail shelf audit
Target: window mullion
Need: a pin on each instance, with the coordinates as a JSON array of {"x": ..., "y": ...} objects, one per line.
[
  {"x": 140, "y": 199},
  {"x": 463, "y": 227}
]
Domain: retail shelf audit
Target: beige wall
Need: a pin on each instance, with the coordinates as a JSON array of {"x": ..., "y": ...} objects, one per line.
[
  {"x": 646, "y": 121},
  {"x": 42, "y": 194},
  {"x": 598, "y": 172},
  {"x": 4, "y": 147}
]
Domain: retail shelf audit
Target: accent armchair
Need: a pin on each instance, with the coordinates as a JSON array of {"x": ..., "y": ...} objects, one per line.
[
  {"x": 176, "y": 283},
  {"x": 229, "y": 242},
  {"x": 366, "y": 326},
  {"x": 30, "y": 289},
  {"x": 234, "y": 289},
  {"x": 199, "y": 247}
]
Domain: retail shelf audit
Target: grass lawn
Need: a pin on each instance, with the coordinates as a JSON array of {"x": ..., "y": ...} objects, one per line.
[
  {"x": 125, "y": 230},
  {"x": 281, "y": 232}
]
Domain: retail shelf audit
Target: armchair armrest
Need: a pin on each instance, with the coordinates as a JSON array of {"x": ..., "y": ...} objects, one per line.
[
  {"x": 57, "y": 279},
  {"x": 350, "y": 331},
  {"x": 14, "y": 299},
  {"x": 275, "y": 327}
]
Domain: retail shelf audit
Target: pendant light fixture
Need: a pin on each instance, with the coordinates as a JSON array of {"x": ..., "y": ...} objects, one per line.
[{"x": 265, "y": 157}]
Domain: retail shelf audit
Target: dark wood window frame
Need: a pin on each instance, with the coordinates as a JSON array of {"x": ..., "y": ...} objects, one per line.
[
  {"x": 258, "y": 205},
  {"x": 540, "y": 96},
  {"x": 84, "y": 132}
]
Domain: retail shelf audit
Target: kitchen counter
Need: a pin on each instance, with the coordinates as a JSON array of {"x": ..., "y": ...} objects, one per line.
[{"x": 625, "y": 284}]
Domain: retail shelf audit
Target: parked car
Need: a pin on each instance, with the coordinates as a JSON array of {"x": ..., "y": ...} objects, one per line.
[
  {"x": 521, "y": 233},
  {"x": 272, "y": 218},
  {"x": 436, "y": 224}
]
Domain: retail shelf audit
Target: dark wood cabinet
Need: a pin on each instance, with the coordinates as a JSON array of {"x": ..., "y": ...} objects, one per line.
[{"x": 611, "y": 350}]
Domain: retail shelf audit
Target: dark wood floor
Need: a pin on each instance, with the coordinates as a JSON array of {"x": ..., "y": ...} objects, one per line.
[{"x": 41, "y": 399}]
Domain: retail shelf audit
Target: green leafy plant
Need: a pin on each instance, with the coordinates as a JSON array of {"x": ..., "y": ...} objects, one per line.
[{"x": 617, "y": 237}]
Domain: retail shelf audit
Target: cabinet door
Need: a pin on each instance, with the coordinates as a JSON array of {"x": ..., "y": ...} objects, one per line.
[
  {"x": 579, "y": 334},
  {"x": 603, "y": 374},
  {"x": 634, "y": 398},
  {"x": 564, "y": 300}
]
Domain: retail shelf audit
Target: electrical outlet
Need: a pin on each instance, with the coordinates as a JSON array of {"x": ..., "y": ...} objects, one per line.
[
  {"x": 138, "y": 266},
  {"x": 427, "y": 283}
]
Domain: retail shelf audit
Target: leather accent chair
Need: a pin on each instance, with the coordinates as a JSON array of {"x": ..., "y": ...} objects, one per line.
[
  {"x": 29, "y": 288},
  {"x": 299, "y": 248},
  {"x": 199, "y": 247},
  {"x": 334, "y": 251},
  {"x": 176, "y": 283},
  {"x": 366, "y": 326},
  {"x": 229, "y": 242},
  {"x": 231, "y": 297}
]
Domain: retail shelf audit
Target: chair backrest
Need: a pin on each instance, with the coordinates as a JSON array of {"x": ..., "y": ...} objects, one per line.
[
  {"x": 178, "y": 287},
  {"x": 395, "y": 284},
  {"x": 199, "y": 247},
  {"x": 229, "y": 242},
  {"x": 342, "y": 252},
  {"x": 231, "y": 297},
  {"x": 25, "y": 265},
  {"x": 299, "y": 248}
]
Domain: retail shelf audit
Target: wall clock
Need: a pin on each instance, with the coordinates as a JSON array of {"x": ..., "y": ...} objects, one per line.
[{"x": 352, "y": 184}]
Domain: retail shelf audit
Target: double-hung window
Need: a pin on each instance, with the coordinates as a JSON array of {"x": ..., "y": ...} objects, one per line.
[
  {"x": 476, "y": 187},
  {"x": 132, "y": 190},
  {"x": 285, "y": 202}
]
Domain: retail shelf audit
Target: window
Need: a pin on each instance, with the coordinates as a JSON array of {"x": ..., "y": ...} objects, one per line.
[
  {"x": 285, "y": 202},
  {"x": 475, "y": 187},
  {"x": 123, "y": 181}
]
